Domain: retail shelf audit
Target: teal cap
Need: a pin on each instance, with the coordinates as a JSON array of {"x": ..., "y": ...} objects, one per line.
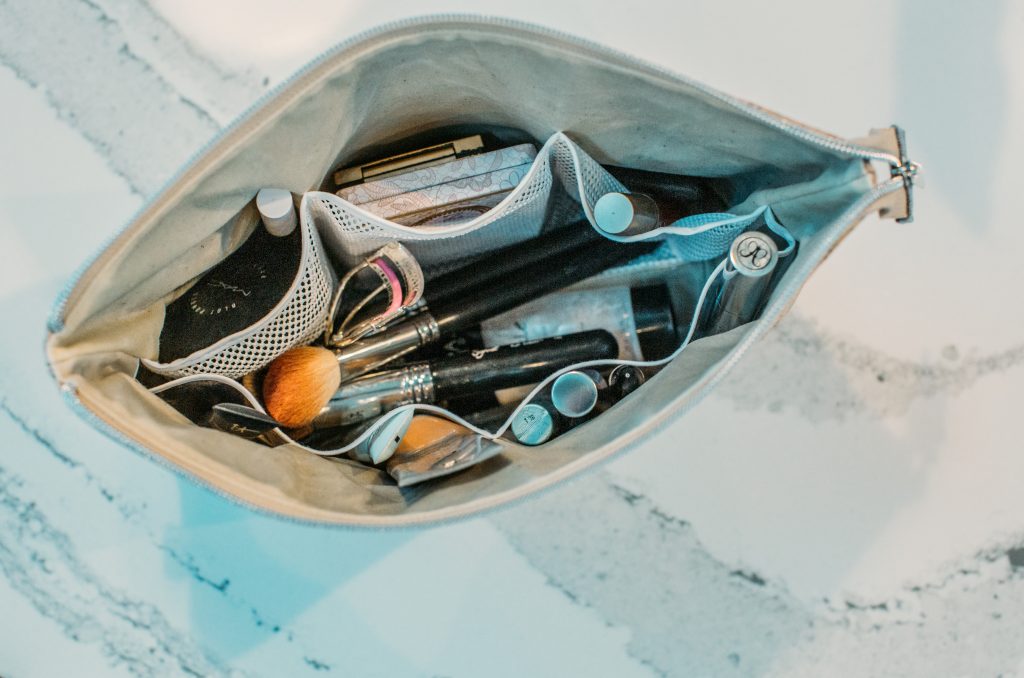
[{"x": 533, "y": 425}]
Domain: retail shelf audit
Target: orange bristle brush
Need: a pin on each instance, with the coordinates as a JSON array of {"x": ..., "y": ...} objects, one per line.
[{"x": 299, "y": 383}]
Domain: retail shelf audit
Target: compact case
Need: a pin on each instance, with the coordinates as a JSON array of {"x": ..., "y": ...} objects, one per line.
[{"x": 592, "y": 106}]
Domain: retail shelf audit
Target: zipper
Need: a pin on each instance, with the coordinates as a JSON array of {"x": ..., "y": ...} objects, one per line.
[
  {"x": 784, "y": 295},
  {"x": 794, "y": 279},
  {"x": 907, "y": 170},
  {"x": 902, "y": 171},
  {"x": 257, "y": 112}
]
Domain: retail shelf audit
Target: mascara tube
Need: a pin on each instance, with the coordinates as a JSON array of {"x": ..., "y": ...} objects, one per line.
[
  {"x": 677, "y": 195},
  {"x": 654, "y": 199},
  {"x": 480, "y": 371}
]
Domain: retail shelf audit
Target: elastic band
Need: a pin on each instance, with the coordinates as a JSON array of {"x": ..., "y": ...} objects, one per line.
[
  {"x": 717, "y": 220},
  {"x": 423, "y": 407}
]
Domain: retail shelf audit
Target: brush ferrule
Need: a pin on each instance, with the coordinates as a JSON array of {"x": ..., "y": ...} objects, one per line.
[
  {"x": 374, "y": 394},
  {"x": 426, "y": 327},
  {"x": 372, "y": 352}
]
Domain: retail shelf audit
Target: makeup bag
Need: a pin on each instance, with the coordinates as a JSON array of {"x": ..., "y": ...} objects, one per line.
[{"x": 392, "y": 83}]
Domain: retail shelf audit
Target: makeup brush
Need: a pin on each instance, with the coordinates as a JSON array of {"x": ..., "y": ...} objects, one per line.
[
  {"x": 300, "y": 382},
  {"x": 482, "y": 371}
]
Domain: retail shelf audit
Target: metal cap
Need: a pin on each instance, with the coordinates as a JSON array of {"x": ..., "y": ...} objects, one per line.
[
  {"x": 574, "y": 394},
  {"x": 625, "y": 379},
  {"x": 533, "y": 425},
  {"x": 753, "y": 254}
]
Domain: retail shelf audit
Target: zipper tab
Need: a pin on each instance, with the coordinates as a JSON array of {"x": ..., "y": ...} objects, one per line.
[
  {"x": 907, "y": 170},
  {"x": 892, "y": 142}
]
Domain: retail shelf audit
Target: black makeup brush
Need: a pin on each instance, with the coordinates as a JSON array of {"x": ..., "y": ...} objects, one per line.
[
  {"x": 300, "y": 382},
  {"x": 482, "y": 371}
]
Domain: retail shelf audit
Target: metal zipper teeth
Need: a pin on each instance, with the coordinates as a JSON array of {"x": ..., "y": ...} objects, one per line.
[
  {"x": 749, "y": 109},
  {"x": 250, "y": 117}
]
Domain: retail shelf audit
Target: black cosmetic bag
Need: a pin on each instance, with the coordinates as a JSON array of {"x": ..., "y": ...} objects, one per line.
[{"x": 591, "y": 105}]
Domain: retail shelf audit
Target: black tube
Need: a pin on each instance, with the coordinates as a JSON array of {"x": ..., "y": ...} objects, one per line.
[
  {"x": 539, "y": 278},
  {"x": 507, "y": 260},
  {"x": 518, "y": 364},
  {"x": 676, "y": 195}
]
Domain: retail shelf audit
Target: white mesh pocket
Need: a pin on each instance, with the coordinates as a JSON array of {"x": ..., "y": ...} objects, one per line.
[
  {"x": 351, "y": 232},
  {"x": 297, "y": 319},
  {"x": 582, "y": 176}
]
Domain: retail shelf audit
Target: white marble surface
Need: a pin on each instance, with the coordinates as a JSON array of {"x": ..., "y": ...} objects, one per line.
[{"x": 875, "y": 532}]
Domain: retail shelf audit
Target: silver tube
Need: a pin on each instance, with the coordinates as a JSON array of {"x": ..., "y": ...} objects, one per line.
[
  {"x": 370, "y": 396},
  {"x": 753, "y": 257}
]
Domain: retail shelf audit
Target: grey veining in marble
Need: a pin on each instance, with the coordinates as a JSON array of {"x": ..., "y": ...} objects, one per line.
[{"x": 880, "y": 533}]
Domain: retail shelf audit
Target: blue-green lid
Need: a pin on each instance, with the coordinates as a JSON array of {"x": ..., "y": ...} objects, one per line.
[{"x": 533, "y": 424}]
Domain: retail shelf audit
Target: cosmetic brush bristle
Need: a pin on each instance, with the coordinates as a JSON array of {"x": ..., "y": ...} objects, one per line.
[{"x": 299, "y": 383}]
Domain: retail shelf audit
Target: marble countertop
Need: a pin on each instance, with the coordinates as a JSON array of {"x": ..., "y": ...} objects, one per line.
[{"x": 878, "y": 529}]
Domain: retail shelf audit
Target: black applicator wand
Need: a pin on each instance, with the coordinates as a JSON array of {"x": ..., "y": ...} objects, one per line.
[{"x": 300, "y": 382}]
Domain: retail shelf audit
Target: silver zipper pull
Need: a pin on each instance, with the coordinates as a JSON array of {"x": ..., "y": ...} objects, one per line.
[{"x": 906, "y": 170}]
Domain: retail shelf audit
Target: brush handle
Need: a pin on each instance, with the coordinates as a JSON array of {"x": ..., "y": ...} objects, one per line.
[
  {"x": 537, "y": 279},
  {"x": 490, "y": 369},
  {"x": 487, "y": 370},
  {"x": 452, "y": 316},
  {"x": 507, "y": 260}
]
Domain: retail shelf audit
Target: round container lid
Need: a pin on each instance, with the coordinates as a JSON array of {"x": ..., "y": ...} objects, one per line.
[
  {"x": 613, "y": 212},
  {"x": 277, "y": 210},
  {"x": 533, "y": 425},
  {"x": 574, "y": 394}
]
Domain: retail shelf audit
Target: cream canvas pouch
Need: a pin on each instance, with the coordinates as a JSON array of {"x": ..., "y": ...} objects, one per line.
[{"x": 397, "y": 81}]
